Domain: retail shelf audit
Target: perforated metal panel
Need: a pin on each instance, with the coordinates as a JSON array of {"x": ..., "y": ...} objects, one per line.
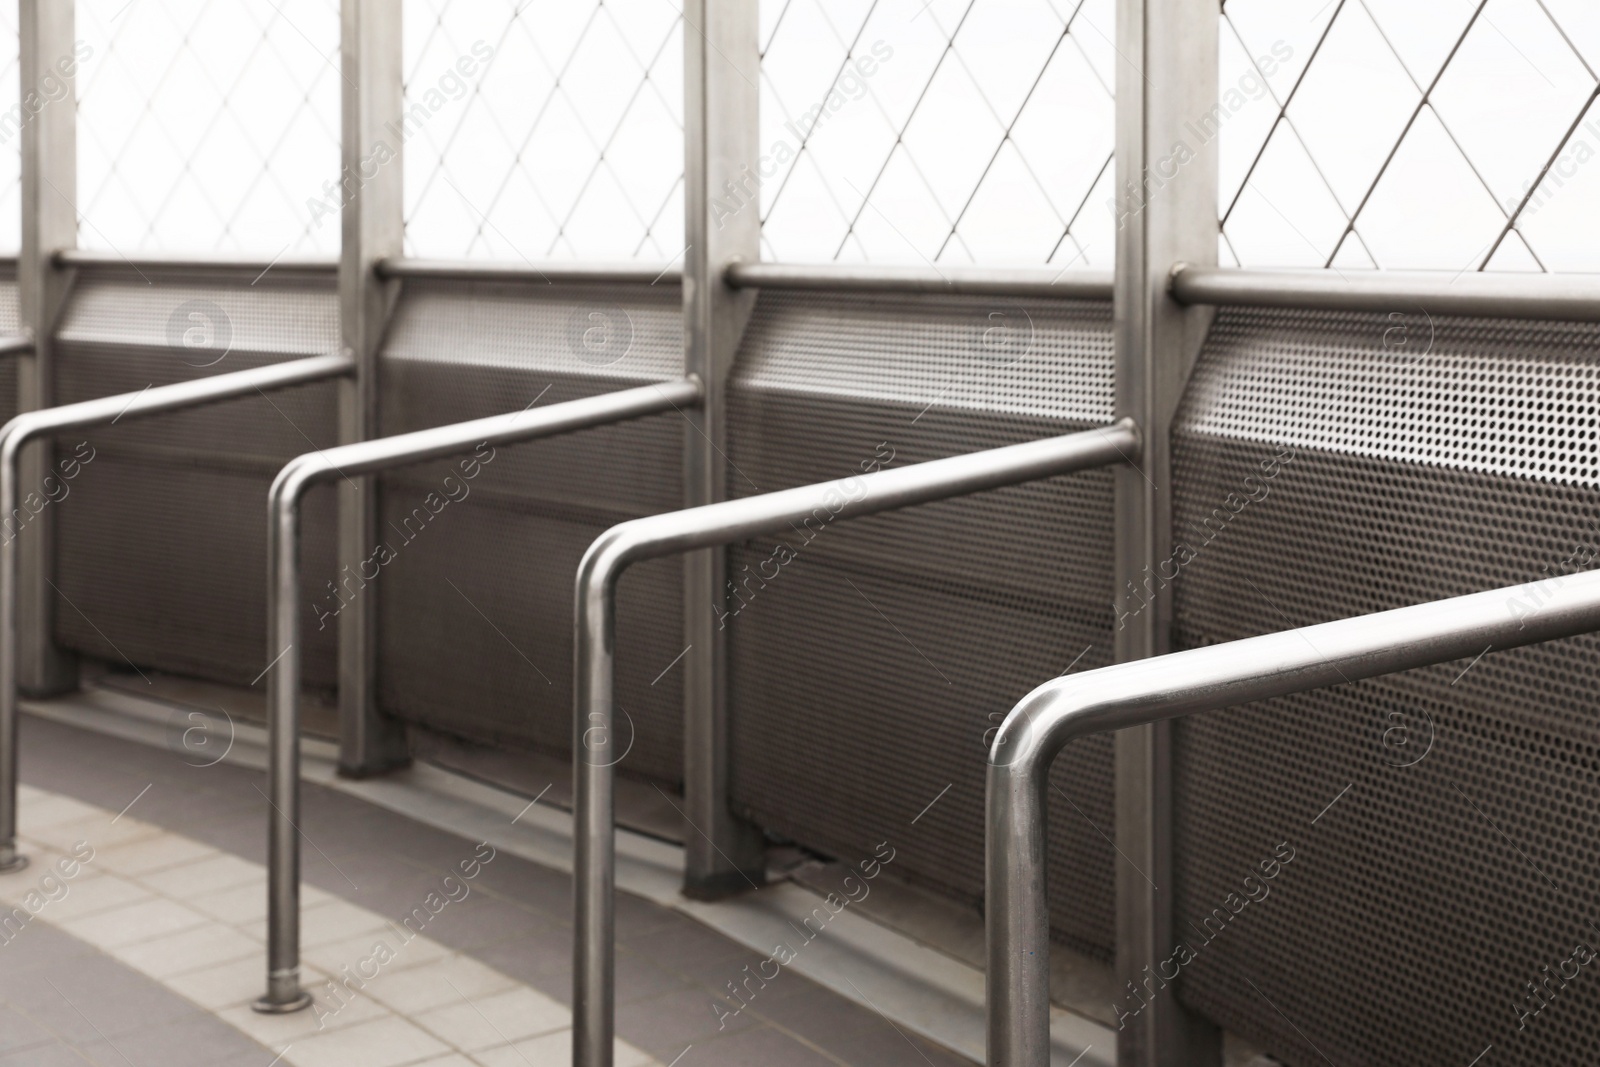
[
  {"x": 867, "y": 670},
  {"x": 1443, "y": 820},
  {"x": 475, "y": 629},
  {"x": 161, "y": 539},
  {"x": 10, "y": 323}
]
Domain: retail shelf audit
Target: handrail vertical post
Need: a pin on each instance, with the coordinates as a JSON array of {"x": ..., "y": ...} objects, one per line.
[
  {"x": 10, "y": 858},
  {"x": 594, "y": 853},
  {"x": 372, "y": 229},
  {"x": 722, "y": 69},
  {"x": 283, "y": 761},
  {"x": 1166, "y": 212},
  {"x": 1019, "y": 913}
]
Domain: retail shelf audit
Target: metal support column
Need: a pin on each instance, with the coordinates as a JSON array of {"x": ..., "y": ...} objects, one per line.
[
  {"x": 372, "y": 224},
  {"x": 1166, "y": 212},
  {"x": 49, "y": 222},
  {"x": 722, "y": 223}
]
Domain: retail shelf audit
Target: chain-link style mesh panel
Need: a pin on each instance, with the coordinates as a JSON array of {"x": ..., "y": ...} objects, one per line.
[
  {"x": 209, "y": 126},
  {"x": 947, "y": 131},
  {"x": 871, "y": 658},
  {"x": 544, "y": 129},
  {"x": 1457, "y": 135},
  {"x": 1440, "y": 820}
]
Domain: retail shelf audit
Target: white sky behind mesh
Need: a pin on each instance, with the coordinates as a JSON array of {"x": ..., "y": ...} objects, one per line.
[{"x": 962, "y": 131}]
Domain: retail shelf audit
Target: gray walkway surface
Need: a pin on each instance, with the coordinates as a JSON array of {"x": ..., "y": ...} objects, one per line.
[
  {"x": 66, "y": 1003},
  {"x": 672, "y": 973}
]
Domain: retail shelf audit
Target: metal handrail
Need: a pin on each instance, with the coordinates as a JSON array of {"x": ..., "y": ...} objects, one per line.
[
  {"x": 32, "y": 425},
  {"x": 1562, "y": 297},
  {"x": 16, "y": 344},
  {"x": 945, "y": 281},
  {"x": 727, "y": 522},
  {"x": 1183, "y": 683},
  {"x": 157, "y": 262},
  {"x": 283, "y": 584},
  {"x": 468, "y": 270}
]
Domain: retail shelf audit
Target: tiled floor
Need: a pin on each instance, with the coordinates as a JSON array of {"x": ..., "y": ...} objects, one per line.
[
  {"x": 64, "y": 1002},
  {"x": 507, "y": 941}
]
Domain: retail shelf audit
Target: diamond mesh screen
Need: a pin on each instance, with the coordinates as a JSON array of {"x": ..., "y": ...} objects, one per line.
[
  {"x": 544, "y": 129},
  {"x": 856, "y": 700},
  {"x": 161, "y": 538},
  {"x": 937, "y": 130},
  {"x": 1456, "y": 135},
  {"x": 208, "y": 127},
  {"x": 1439, "y": 816},
  {"x": 475, "y": 630}
]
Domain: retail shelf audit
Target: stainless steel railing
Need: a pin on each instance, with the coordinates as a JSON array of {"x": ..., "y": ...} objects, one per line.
[
  {"x": 1182, "y": 683},
  {"x": 1503, "y": 295},
  {"x": 33, "y": 425},
  {"x": 283, "y": 625},
  {"x": 594, "y": 869}
]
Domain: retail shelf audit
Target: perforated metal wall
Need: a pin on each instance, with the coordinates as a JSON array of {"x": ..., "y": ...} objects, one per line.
[
  {"x": 1442, "y": 820},
  {"x": 867, "y": 670},
  {"x": 10, "y": 323},
  {"x": 161, "y": 537},
  {"x": 475, "y": 629}
]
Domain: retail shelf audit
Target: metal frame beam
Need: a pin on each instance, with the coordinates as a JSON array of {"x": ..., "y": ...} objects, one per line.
[
  {"x": 1570, "y": 297},
  {"x": 284, "y": 993},
  {"x": 696, "y": 529},
  {"x": 722, "y": 224},
  {"x": 545, "y": 274},
  {"x": 372, "y": 226},
  {"x": 941, "y": 281},
  {"x": 47, "y": 38},
  {"x": 190, "y": 262},
  {"x": 1166, "y": 212}
]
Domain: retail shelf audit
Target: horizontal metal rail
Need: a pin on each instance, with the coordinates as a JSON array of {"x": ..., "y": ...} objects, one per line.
[
  {"x": 34, "y": 425},
  {"x": 973, "y": 281},
  {"x": 188, "y": 262},
  {"x": 283, "y": 585},
  {"x": 1183, "y": 683},
  {"x": 665, "y": 274},
  {"x": 1562, "y": 297},
  {"x": 17, "y": 344},
  {"x": 727, "y": 522}
]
